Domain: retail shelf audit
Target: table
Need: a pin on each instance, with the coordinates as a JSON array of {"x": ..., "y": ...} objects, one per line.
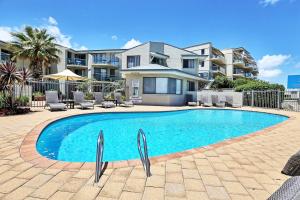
[{"x": 69, "y": 102}]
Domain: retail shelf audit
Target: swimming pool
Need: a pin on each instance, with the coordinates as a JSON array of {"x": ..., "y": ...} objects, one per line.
[{"x": 74, "y": 138}]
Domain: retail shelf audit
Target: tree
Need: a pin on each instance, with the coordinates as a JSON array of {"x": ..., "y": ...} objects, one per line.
[
  {"x": 37, "y": 46},
  {"x": 222, "y": 82}
]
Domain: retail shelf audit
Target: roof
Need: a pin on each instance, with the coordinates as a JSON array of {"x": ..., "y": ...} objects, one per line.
[
  {"x": 198, "y": 45},
  {"x": 152, "y": 68}
]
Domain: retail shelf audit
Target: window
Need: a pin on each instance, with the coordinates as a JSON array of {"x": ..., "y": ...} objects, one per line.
[
  {"x": 202, "y": 51},
  {"x": 202, "y": 63},
  {"x": 100, "y": 74},
  {"x": 159, "y": 61},
  {"x": 133, "y": 61},
  {"x": 191, "y": 86},
  {"x": 188, "y": 63},
  {"x": 162, "y": 85}
]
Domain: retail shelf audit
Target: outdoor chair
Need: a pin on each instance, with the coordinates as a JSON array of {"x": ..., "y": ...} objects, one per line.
[
  {"x": 207, "y": 100},
  {"x": 100, "y": 101},
  {"x": 119, "y": 100},
  {"x": 79, "y": 100},
  {"x": 218, "y": 100},
  {"x": 233, "y": 101},
  {"x": 53, "y": 102},
  {"x": 290, "y": 190}
]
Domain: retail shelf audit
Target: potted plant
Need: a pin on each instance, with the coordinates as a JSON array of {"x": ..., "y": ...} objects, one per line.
[{"x": 38, "y": 96}]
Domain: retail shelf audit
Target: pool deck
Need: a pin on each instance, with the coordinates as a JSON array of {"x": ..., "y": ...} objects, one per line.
[{"x": 244, "y": 168}]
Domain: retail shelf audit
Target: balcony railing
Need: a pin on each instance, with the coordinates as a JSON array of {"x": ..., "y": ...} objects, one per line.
[
  {"x": 238, "y": 61},
  {"x": 216, "y": 68},
  {"x": 106, "y": 61},
  {"x": 4, "y": 57},
  {"x": 106, "y": 77},
  {"x": 238, "y": 71},
  {"x": 76, "y": 61},
  {"x": 214, "y": 56}
]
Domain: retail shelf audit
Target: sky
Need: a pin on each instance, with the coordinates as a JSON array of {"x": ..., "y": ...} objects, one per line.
[{"x": 268, "y": 29}]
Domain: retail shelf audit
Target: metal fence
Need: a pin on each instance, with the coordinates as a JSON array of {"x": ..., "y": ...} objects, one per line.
[
  {"x": 34, "y": 91},
  {"x": 287, "y": 100}
]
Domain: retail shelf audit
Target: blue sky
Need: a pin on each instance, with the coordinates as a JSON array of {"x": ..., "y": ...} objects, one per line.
[{"x": 269, "y": 29}]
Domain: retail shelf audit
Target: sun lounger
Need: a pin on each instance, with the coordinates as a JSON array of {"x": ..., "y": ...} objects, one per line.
[
  {"x": 207, "y": 100},
  {"x": 100, "y": 101},
  {"x": 290, "y": 190},
  {"x": 118, "y": 98},
  {"x": 192, "y": 103},
  {"x": 79, "y": 100},
  {"x": 53, "y": 102},
  {"x": 234, "y": 100}
]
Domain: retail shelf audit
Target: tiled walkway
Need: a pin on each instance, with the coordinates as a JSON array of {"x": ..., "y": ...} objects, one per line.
[{"x": 246, "y": 169}]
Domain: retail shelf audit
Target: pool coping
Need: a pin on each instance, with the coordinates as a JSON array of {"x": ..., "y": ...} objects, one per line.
[{"x": 30, "y": 154}]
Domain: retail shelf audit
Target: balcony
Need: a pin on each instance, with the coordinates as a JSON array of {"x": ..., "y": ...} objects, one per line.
[
  {"x": 238, "y": 72},
  {"x": 239, "y": 63},
  {"x": 106, "y": 77},
  {"x": 218, "y": 59},
  {"x": 218, "y": 70},
  {"x": 76, "y": 61},
  {"x": 4, "y": 57},
  {"x": 106, "y": 61}
]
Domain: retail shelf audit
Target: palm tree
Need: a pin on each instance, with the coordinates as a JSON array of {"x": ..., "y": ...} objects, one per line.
[{"x": 37, "y": 46}]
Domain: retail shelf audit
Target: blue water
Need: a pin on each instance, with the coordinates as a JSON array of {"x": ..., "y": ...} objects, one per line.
[{"x": 74, "y": 138}]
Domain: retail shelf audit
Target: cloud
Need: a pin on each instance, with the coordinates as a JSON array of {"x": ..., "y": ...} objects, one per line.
[
  {"x": 268, "y": 2},
  {"x": 5, "y": 33},
  {"x": 52, "y": 21},
  {"x": 297, "y": 65},
  {"x": 51, "y": 25},
  {"x": 114, "y": 37},
  {"x": 131, "y": 43},
  {"x": 269, "y": 65}
]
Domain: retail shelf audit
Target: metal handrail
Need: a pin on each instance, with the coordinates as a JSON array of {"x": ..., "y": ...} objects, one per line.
[
  {"x": 99, "y": 156},
  {"x": 144, "y": 158}
]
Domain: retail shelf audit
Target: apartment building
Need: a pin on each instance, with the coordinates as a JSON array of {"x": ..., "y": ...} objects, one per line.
[
  {"x": 157, "y": 73},
  {"x": 233, "y": 62},
  {"x": 240, "y": 63},
  {"x": 214, "y": 64}
]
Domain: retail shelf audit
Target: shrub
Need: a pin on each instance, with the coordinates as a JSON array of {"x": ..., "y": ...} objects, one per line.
[
  {"x": 22, "y": 100},
  {"x": 89, "y": 96},
  {"x": 222, "y": 82},
  {"x": 38, "y": 94},
  {"x": 2, "y": 100},
  {"x": 243, "y": 84}
]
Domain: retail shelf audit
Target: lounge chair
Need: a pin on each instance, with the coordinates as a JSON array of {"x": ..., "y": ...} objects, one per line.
[
  {"x": 100, "y": 101},
  {"x": 234, "y": 101},
  {"x": 207, "y": 100},
  {"x": 218, "y": 100},
  {"x": 53, "y": 102},
  {"x": 118, "y": 98},
  {"x": 192, "y": 103},
  {"x": 290, "y": 190},
  {"x": 79, "y": 100}
]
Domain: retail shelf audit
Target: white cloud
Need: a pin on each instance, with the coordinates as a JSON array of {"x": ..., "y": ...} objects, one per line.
[
  {"x": 52, "y": 21},
  {"x": 268, "y": 2},
  {"x": 51, "y": 26},
  {"x": 269, "y": 65},
  {"x": 297, "y": 65},
  {"x": 131, "y": 43},
  {"x": 114, "y": 37},
  {"x": 5, "y": 33}
]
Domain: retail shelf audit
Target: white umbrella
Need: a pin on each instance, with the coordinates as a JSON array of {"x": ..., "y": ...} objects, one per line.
[{"x": 66, "y": 75}]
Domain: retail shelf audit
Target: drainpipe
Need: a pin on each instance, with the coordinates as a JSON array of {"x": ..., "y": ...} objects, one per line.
[{"x": 252, "y": 98}]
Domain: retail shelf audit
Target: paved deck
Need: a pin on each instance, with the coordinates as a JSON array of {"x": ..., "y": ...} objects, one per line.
[{"x": 248, "y": 168}]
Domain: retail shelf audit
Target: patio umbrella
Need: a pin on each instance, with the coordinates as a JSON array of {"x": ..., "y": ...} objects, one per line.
[{"x": 66, "y": 75}]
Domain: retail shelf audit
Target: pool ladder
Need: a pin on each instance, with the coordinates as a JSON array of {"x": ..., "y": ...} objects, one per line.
[
  {"x": 99, "y": 156},
  {"x": 143, "y": 155}
]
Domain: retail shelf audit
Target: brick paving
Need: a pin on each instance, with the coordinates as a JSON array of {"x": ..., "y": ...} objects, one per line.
[{"x": 248, "y": 168}]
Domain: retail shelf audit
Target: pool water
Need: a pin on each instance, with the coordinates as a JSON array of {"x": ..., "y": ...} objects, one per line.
[{"x": 75, "y": 138}]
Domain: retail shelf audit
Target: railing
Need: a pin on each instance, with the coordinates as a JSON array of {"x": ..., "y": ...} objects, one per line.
[
  {"x": 238, "y": 71},
  {"x": 107, "y": 61},
  {"x": 106, "y": 78},
  {"x": 99, "y": 157},
  {"x": 218, "y": 69},
  {"x": 76, "y": 61},
  {"x": 214, "y": 56},
  {"x": 286, "y": 100},
  {"x": 238, "y": 61},
  {"x": 35, "y": 90},
  {"x": 4, "y": 57},
  {"x": 144, "y": 157}
]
